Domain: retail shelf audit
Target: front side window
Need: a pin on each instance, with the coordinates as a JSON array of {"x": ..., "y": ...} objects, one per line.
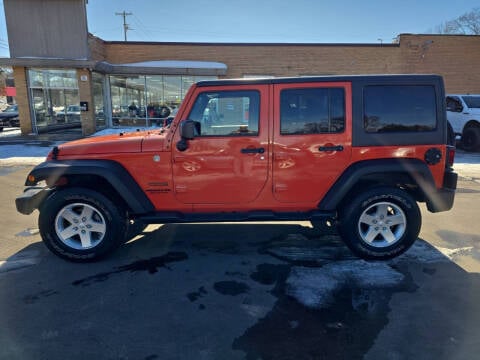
[
  {"x": 472, "y": 101},
  {"x": 399, "y": 108},
  {"x": 227, "y": 113},
  {"x": 312, "y": 111}
]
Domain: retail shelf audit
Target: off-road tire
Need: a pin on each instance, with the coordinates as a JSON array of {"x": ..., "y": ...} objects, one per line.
[
  {"x": 471, "y": 139},
  {"x": 81, "y": 225},
  {"x": 380, "y": 223}
]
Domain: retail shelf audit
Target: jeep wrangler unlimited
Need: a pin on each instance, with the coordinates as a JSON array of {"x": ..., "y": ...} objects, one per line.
[{"x": 358, "y": 152}]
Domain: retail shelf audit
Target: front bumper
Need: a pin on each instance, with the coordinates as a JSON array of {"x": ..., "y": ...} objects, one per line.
[{"x": 31, "y": 199}]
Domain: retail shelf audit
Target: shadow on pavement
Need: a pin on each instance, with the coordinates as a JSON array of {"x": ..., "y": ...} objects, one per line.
[{"x": 239, "y": 291}]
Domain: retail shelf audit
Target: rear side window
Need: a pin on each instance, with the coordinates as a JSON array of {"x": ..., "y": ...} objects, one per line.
[
  {"x": 399, "y": 108},
  {"x": 312, "y": 111}
]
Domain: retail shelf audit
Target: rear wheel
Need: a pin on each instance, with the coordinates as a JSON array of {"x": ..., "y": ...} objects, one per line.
[
  {"x": 471, "y": 139},
  {"x": 79, "y": 224},
  {"x": 381, "y": 223}
]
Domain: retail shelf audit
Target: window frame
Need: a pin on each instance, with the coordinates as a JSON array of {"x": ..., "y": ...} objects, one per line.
[
  {"x": 255, "y": 97},
  {"x": 330, "y": 104},
  {"x": 404, "y": 128}
]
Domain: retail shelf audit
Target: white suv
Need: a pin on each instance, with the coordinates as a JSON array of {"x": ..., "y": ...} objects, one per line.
[{"x": 463, "y": 114}]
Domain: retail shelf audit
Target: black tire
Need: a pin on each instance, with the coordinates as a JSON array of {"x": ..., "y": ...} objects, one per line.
[
  {"x": 380, "y": 223},
  {"x": 471, "y": 139},
  {"x": 1, "y": 128},
  {"x": 81, "y": 225}
]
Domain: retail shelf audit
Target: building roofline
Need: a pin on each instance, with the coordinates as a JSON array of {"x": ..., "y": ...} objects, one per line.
[{"x": 240, "y": 44}]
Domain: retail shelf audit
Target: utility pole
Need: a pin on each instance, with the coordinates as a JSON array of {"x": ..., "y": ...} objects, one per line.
[{"x": 125, "y": 25}]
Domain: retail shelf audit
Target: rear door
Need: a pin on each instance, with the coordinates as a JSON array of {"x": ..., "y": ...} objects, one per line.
[
  {"x": 227, "y": 162},
  {"x": 312, "y": 138}
]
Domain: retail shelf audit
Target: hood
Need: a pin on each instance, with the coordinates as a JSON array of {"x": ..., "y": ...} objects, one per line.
[
  {"x": 107, "y": 144},
  {"x": 473, "y": 111}
]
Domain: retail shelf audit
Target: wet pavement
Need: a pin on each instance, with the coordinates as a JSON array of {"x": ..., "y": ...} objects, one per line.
[{"x": 242, "y": 291}]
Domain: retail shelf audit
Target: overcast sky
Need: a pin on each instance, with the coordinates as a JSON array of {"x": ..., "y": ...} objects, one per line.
[{"x": 317, "y": 21}]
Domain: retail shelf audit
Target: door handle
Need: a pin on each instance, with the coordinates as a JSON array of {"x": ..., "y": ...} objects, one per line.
[
  {"x": 253, "y": 150},
  {"x": 331, "y": 148}
]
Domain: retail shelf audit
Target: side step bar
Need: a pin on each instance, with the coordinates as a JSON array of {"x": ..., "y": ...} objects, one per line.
[{"x": 177, "y": 217}]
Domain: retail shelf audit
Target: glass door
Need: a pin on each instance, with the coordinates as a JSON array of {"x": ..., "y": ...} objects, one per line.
[{"x": 55, "y": 99}]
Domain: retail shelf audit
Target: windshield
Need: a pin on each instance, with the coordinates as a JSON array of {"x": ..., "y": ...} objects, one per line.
[
  {"x": 472, "y": 101},
  {"x": 11, "y": 109}
]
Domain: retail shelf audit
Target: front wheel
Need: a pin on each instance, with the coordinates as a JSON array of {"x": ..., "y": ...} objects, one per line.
[
  {"x": 381, "y": 223},
  {"x": 81, "y": 225}
]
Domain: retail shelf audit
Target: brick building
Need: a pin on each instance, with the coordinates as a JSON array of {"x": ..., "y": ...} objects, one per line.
[{"x": 106, "y": 83}]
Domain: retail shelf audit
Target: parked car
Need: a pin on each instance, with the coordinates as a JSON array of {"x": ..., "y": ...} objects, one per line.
[
  {"x": 72, "y": 114},
  {"x": 463, "y": 114},
  {"x": 9, "y": 117}
]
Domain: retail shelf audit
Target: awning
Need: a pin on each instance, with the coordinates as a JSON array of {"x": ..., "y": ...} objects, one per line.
[
  {"x": 48, "y": 62},
  {"x": 10, "y": 91},
  {"x": 164, "y": 67},
  {"x": 158, "y": 67}
]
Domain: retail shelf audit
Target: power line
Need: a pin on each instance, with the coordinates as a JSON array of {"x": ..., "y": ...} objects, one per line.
[
  {"x": 142, "y": 27},
  {"x": 126, "y": 27}
]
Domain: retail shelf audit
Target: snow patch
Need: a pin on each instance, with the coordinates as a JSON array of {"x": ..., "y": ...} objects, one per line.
[
  {"x": 119, "y": 130},
  {"x": 316, "y": 287},
  {"x": 423, "y": 252},
  {"x": 187, "y": 64},
  {"x": 20, "y": 260}
]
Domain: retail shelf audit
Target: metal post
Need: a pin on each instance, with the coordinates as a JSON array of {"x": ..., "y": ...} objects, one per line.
[{"x": 125, "y": 25}]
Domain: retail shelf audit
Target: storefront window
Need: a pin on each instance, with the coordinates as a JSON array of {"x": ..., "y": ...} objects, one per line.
[
  {"x": 148, "y": 100},
  {"x": 98, "y": 100},
  {"x": 128, "y": 100},
  {"x": 157, "y": 108},
  {"x": 55, "y": 98}
]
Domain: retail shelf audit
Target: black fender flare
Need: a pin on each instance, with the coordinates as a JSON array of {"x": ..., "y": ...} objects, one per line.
[
  {"x": 415, "y": 168},
  {"x": 113, "y": 172}
]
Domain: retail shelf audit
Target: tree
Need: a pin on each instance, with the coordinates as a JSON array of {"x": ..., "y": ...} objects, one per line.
[{"x": 466, "y": 24}]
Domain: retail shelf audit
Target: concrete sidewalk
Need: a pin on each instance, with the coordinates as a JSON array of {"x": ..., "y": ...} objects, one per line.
[{"x": 12, "y": 136}]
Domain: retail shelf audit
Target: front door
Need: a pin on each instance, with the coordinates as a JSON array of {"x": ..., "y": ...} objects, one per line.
[
  {"x": 227, "y": 162},
  {"x": 312, "y": 141}
]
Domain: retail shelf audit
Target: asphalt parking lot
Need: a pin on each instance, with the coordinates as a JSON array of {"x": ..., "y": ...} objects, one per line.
[{"x": 243, "y": 291}]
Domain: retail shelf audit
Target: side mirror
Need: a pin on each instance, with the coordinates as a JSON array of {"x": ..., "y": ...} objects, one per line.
[{"x": 189, "y": 129}]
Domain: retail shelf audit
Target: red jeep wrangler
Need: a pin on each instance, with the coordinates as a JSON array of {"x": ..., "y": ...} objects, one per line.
[{"x": 355, "y": 151}]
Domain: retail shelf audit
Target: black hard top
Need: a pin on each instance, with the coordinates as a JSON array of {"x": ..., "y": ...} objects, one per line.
[{"x": 378, "y": 78}]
